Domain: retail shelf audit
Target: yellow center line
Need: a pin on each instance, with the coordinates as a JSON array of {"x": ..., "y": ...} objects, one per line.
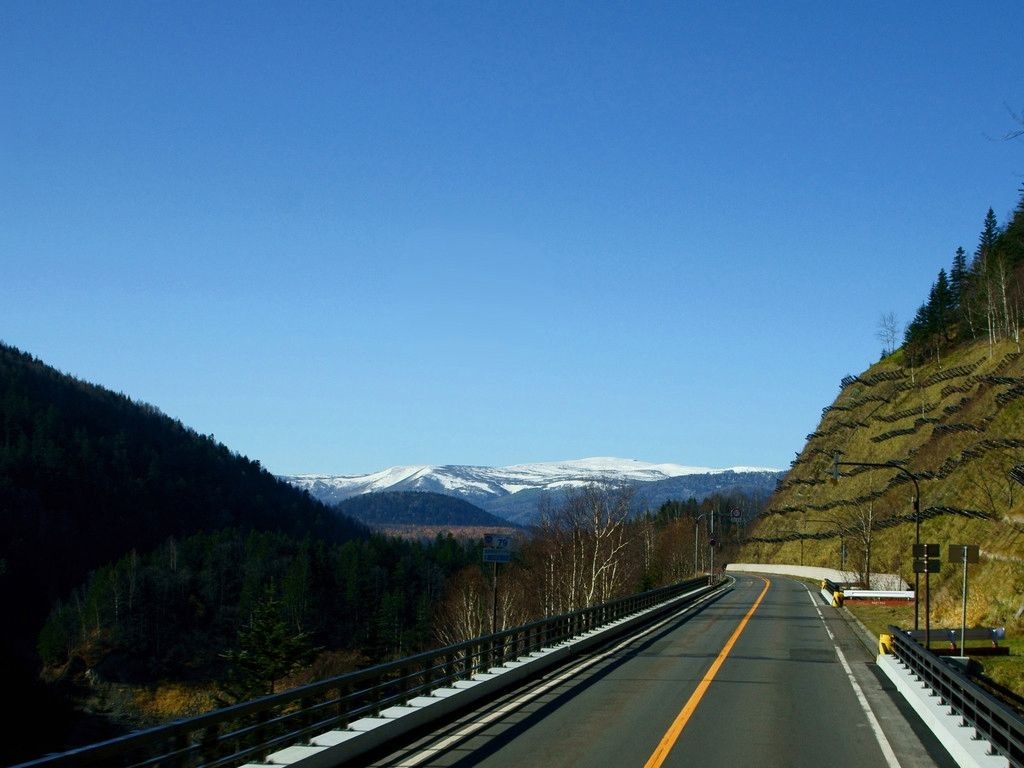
[{"x": 672, "y": 734}]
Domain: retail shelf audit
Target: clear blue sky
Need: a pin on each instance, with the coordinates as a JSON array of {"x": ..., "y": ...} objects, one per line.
[{"x": 344, "y": 236}]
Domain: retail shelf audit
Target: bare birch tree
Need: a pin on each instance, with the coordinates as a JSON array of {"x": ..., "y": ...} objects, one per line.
[
  {"x": 465, "y": 612},
  {"x": 887, "y": 332},
  {"x": 582, "y": 547}
]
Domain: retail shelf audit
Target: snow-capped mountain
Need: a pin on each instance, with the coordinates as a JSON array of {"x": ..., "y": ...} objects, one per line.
[{"x": 512, "y": 492}]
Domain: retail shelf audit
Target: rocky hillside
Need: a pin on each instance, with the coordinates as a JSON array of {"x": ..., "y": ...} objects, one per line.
[{"x": 957, "y": 425}]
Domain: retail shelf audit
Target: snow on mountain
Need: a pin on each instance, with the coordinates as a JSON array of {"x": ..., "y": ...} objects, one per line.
[{"x": 486, "y": 485}]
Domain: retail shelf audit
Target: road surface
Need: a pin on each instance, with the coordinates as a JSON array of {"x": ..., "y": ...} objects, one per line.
[{"x": 766, "y": 675}]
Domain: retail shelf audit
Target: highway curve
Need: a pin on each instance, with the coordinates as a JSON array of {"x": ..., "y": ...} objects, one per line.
[{"x": 766, "y": 675}]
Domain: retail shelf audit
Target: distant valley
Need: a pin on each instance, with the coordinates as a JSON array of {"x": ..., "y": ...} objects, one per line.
[{"x": 512, "y": 493}]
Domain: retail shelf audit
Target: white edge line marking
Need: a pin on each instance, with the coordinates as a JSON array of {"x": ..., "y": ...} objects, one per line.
[
  {"x": 883, "y": 742},
  {"x": 477, "y": 725}
]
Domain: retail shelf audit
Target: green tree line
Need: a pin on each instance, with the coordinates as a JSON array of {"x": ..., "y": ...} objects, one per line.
[
  {"x": 245, "y": 608},
  {"x": 981, "y": 297},
  {"x": 86, "y": 476},
  {"x": 187, "y": 608}
]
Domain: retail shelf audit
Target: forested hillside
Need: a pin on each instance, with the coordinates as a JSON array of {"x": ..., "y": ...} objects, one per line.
[
  {"x": 154, "y": 573},
  {"x": 948, "y": 408},
  {"x": 200, "y": 608},
  {"x": 416, "y": 508},
  {"x": 88, "y": 476}
]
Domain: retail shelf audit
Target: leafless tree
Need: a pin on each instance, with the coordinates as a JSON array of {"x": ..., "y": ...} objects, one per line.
[
  {"x": 996, "y": 488},
  {"x": 1015, "y": 133},
  {"x": 674, "y": 554},
  {"x": 581, "y": 546},
  {"x": 465, "y": 612},
  {"x": 859, "y": 525},
  {"x": 863, "y": 526},
  {"x": 887, "y": 332}
]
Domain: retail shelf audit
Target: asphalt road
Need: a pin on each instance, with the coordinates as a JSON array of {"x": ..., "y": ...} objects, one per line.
[{"x": 766, "y": 675}]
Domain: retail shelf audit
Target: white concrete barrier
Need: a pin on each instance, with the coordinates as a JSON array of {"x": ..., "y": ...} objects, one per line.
[
  {"x": 961, "y": 741},
  {"x": 888, "y": 581},
  {"x": 879, "y": 594}
]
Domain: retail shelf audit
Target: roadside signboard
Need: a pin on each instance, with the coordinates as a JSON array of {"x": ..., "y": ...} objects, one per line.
[
  {"x": 927, "y": 558},
  {"x": 494, "y": 555},
  {"x": 963, "y": 553},
  {"x": 497, "y": 541}
]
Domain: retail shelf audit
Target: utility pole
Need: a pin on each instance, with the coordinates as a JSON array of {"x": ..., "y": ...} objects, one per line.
[
  {"x": 696, "y": 531},
  {"x": 711, "y": 545}
]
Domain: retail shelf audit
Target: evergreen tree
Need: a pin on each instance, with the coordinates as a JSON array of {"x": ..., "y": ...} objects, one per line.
[
  {"x": 940, "y": 305},
  {"x": 986, "y": 240},
  {"x": 958, "y": 278},
  {"x": 268, "y": 650},
  {"x": 1011, "y": 241}
]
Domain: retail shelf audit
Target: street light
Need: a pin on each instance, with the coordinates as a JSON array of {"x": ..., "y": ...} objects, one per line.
[{"x": 836, "y": 464}]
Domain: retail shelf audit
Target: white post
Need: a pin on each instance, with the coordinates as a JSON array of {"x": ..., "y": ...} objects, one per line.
[{"x": 963, "y": 616}]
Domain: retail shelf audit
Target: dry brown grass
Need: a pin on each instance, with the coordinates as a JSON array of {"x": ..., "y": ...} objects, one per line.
[
  {"x": 168, "y": 701},
  {"x": 975, "y": 480}
]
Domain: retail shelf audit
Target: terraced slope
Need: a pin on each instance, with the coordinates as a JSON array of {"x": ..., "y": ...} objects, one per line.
[{"x": 958, "y": 426}]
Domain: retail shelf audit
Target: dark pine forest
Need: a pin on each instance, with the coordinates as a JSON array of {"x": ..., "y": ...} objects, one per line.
[{"x": 137, "y": 548}]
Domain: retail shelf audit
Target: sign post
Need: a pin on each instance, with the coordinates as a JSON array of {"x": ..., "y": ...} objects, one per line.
[
  {"x": 926, "y": 561},
  {"x": 496, "y": 550},
  {"x": 965, "y": 553}
]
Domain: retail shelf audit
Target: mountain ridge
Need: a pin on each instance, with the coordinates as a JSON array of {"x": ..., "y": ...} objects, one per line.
[
  {"x": 386, "y": 510},
  {"x": 513, "y": 492}
]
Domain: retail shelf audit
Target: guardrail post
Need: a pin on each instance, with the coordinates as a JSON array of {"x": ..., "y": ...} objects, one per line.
[
  {"x": 403, "y": 679},
  {"x": 448, "y": 670},
  {"x": 209, "y": 742},
  {"x": 260, "y": 734},
  {"x": 306, "y": 717},
  {"x": 344, "y": 692},
  {"x": 179, "y": 743}
]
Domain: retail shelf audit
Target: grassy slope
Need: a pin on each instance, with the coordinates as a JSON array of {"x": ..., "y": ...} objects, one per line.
[{"x": 959, "y": 426}]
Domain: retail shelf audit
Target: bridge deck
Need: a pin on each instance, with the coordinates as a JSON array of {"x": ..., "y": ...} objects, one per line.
[{"x": 780, "y": 696}]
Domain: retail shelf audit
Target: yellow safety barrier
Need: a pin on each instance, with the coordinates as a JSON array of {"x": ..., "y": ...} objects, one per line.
[
  {"x": 884, "y": 644},
  {"x": 837, "y": 599}
]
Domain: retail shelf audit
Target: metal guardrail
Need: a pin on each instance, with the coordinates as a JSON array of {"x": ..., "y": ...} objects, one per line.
[
  {"x": 996, "y": 722},
  {"x": 252, "y": 730}
]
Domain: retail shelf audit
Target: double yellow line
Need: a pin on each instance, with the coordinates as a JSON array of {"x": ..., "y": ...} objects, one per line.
[{"x": 672, "y": 734}]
